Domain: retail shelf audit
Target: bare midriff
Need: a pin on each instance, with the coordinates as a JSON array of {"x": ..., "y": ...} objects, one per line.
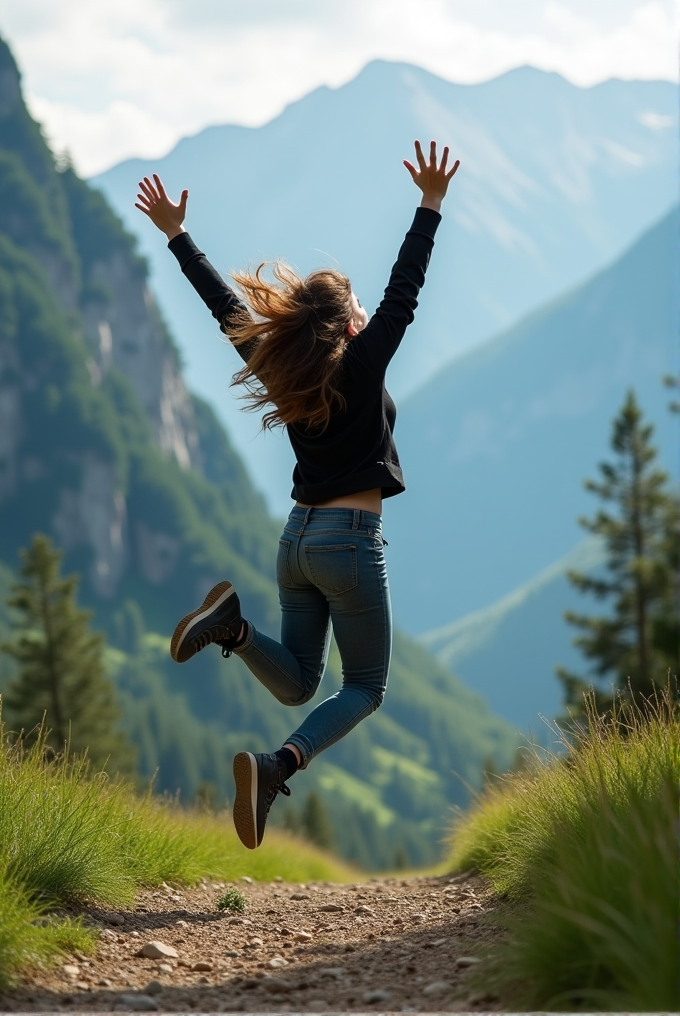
[{"x": 365, "y": 500}]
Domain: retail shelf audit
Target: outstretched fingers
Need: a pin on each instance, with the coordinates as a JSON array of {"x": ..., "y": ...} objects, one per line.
[
  {"x": 453, "y": 169},
  {"x": 420, "y": 157}
]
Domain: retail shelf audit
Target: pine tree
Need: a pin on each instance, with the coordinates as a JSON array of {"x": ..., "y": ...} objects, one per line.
[
  {"x": 315, "y": 823},
  {"x": 60, "y": 662},
  {"x": 637, "y": 644}
]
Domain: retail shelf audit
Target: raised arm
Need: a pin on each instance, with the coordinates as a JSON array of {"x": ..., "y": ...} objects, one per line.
[
  {"x": 167, "y": 216},
  {"x": 377, "y": 343}
]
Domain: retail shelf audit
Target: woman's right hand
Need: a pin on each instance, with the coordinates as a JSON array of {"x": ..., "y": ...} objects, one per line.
[
  {"x": 163, "y": 212},
  {"x": 432, "y": 179}
]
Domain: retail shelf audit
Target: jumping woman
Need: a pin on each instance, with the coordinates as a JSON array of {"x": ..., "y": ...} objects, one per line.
[{"x": 316, "y": 362}]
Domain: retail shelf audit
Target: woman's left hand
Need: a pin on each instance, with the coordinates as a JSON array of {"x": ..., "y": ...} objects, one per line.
[{"x": 163, "y": 212}]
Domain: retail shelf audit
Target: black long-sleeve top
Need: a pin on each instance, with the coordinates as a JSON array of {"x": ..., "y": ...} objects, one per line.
[{"x": 356, "y": 451}]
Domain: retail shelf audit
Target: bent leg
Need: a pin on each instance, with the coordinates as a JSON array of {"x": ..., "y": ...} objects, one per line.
[
  {"x": 362, "y": 625},
  {"x": 292, "y": 668}
]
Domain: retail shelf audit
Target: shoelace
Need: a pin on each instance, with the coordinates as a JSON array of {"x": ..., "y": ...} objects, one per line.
[
  {"x": 210, "y": 635},
  {"x": 283, "y": 788}
]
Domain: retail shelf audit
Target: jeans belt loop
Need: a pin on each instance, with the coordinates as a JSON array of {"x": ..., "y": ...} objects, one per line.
[
  {"x": 305, "y": 520},
  {"x": 357, "y": 518}
]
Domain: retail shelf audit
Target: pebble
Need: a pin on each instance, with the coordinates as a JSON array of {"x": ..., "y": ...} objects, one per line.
[
  {"x": 70, "y": 970},
  {"x": 418, "y": 917},
  {"x": 377, "y": 995},
  {"x": 467, "y": 961},
  {"x": 331, "y": 908},
  {"x": 365, "y": 910},
  {"x": 115, "y": 919},
  {"x": 83, "y": 985},
  {"x": 439, "y": 941},
  {"x": 276, "y": 985},
  {"x": 278, "y": 961},
  {"x": 153, "y": 988},
  {"x": 300, "y": 896},
  {"x": 136, "y": 1003},
  {"x": 336, "y": 972},
  {"x": 437, "y": 988},
  {"x": 166, "y": 968},
  {"x": 109, "y": 935},
  {"x": 158, "y": 951},
  {"x": 247, "y": 879},
  {"x": 182, "y": 924},
  {"x": 302, "y": 936},
  {"x": 255, "y": 942},
  {"x": 231, "y": 952},
  {"x": 104, "y": 982},
  {"x": 202, "y": 965}
]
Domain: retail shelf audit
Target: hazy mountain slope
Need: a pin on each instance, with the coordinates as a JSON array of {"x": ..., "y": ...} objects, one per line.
[
  {"x": 495, "y": 449},
  {"x": 508, "y": 651},
  {"x": 103, "y": 448},
  {"x": 555, "y": 181}
]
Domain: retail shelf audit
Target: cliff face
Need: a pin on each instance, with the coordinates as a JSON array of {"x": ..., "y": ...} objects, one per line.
[{"x": 99, "y": 437}]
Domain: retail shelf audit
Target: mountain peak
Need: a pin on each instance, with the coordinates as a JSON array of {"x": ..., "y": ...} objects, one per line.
[{"x": 10, "y": 81}]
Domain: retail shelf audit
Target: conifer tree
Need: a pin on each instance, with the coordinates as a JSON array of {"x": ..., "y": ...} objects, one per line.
[
  {"x": 637, "y": 644},
  {"x": 60, "y": 664},
  {"x": 315, "y": 823}
]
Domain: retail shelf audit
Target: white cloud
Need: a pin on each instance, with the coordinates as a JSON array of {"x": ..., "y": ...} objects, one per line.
[{"x": 117, "y": 78}]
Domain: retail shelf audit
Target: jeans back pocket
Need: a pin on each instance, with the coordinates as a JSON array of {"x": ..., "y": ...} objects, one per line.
[
  {"x": 333, "y": 569},
  {"x": 283, "y": 576}
]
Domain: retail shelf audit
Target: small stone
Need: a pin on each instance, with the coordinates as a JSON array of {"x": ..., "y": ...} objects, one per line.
[
  {"x": 247, "y": 879},
  {"x": 365, "y": 910},
  {"x": 70, "y": 970},
  {"x": 83, "y": 985},
  {"x": 467, "y": 961},
  {"x": 376, "y": 995},
  {"x": 278, "y": 961},
  {"x": 437, "y": 988},
  {"x": 109, "y": 935},
  {"x": 158, "y": 951},
  {"x": 482, "y": 996},
  {"x": 135, "y": 934},
  {"x": 336, "y": 972},
  {"x": 136, "y": 1003},
  {"x": 204, "y": 980},
  {"x": 418, "y": 917},
  {"x": 153, "y": 988},
  {"x": 439, "y": 941},
  {"x": 302, "y": 936},
  {"x": 202, "y": 965},
  {"x": 331, "y": 908},
  {"x": 115, "y": 919},
  {"x": 276, "y": 985},
  {"x": 182, "y": 924},
  {"x": 300, "y": 896},
  {"x": 231, "y": 952},
  {"x": 104, "y": 982},
  {"x": 255, "y": 942},
  {"x": 166, "y": 968}
]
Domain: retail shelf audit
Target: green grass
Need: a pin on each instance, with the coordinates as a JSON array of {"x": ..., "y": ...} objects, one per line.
[
  {"x": 68, "y": 836},
  {"x": 586, "y": 844}
]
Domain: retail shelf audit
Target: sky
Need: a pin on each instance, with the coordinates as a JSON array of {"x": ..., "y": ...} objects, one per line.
[{"x": 112, "y": 79}]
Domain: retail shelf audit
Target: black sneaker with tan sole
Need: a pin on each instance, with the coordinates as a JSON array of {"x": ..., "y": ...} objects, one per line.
[
  {"x": 218, "y": 620},
  {"x": 259, "y": 778}
]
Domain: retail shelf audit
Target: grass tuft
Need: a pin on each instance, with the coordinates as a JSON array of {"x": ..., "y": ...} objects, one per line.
[
  {"x": 587, "y": 842},
  {"x": 232, "y": 900}
]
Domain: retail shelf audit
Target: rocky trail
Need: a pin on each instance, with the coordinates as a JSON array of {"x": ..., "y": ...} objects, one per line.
[{"x": 388, "y": 945}]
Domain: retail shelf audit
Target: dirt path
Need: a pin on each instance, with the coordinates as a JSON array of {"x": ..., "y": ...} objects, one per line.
[{"x": 383, "y": 945}]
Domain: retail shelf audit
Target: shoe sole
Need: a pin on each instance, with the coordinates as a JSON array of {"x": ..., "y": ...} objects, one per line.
[
  {"x": 215, "y": 598},
  {"x": 245, "y": 802}
]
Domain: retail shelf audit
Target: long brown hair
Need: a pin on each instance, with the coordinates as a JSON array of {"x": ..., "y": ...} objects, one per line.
[{"x": 299, "y": 331}]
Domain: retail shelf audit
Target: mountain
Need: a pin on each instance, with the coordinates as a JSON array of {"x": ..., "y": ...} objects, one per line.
[
  {"x": 555, "y": 182},
  {"x": 508, "y": 651},
  {"x": 103, "y": 447},
  {"x": 496, "y": 448}
]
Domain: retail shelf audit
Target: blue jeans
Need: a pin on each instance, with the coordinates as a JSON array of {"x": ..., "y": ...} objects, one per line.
[{"x": 330, "y": 567}]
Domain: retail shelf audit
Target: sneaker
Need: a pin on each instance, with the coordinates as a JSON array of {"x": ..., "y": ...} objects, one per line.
[
  {"x": 218, "y": 619},
  {"x": 259, "y": 778}
]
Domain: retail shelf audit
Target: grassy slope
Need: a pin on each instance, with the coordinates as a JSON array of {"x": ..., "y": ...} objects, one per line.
[
  {"x": 68, "y": 837},
  {"x": 588, "y": 842}
]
